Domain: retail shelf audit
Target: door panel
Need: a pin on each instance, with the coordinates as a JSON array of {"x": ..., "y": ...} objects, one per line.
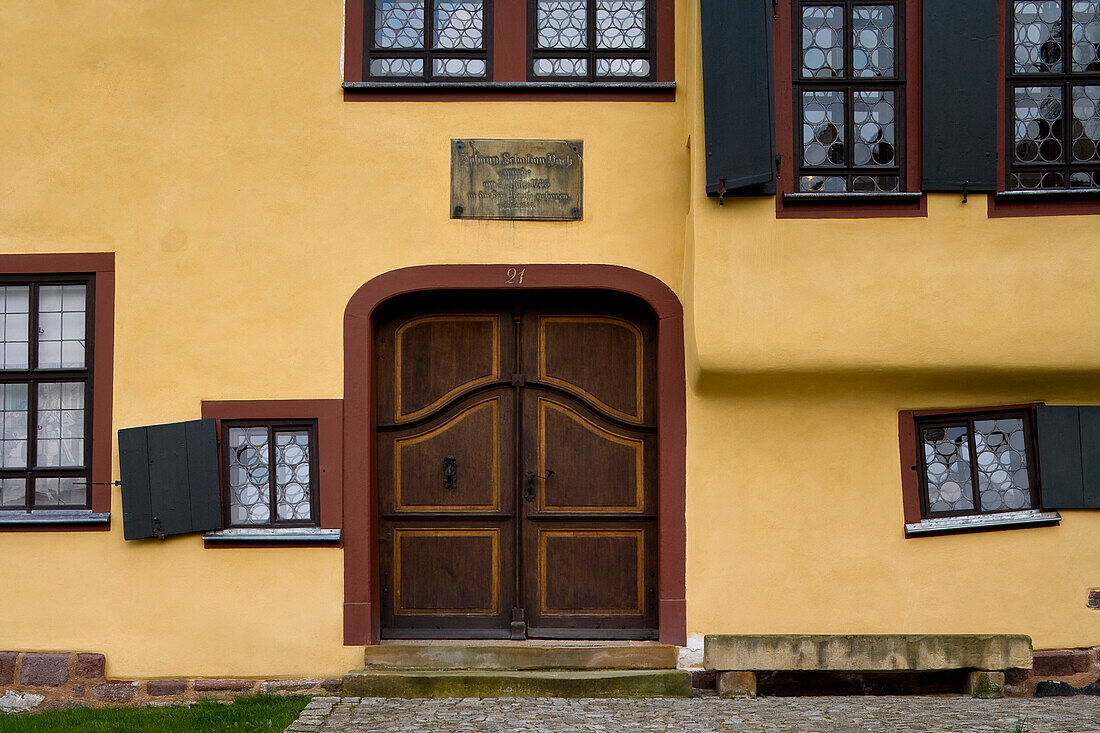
[
  {"x": 438, "y": 356},
  {"x": 452, "y": 571},
  {"x": 598, "y": 358},
  {"x": 596, "y": 468},
  {"x": 462, "y": 456}
]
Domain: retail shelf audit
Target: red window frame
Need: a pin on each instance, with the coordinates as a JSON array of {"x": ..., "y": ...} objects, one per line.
[
  {"x": 1054, "y": 203},
  {"x": 912, "y": 489},
  {"x": 329, "y": 449},
  {"x": 843, "y": 205},
  {"x": 100, "y": 268},
  {"x": 510, "y": 57}
]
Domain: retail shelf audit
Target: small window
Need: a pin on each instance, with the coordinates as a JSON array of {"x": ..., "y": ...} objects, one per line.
[
  {"x": 849, "y": 96},
  {"x": 45, "y": 393},
  {"x": 1053, "y": 90},
  {"x": 590, "y": 40},
  {"x": 970, "y": 469},
  {"x": 270, "y": 474},
  {"x": 980, "y": 463}
]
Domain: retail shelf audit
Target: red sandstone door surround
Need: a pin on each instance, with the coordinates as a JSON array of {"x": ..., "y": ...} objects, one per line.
[{"x": 364, "y": 528}]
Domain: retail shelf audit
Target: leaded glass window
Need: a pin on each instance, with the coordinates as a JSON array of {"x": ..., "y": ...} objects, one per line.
[
  {"x": 590, "y": 40},
  {"x": 45, "y": 393},
  {"x": 427, "y": 40},
  {"x": 979, "y": 463},
  {"x": 1054, "y": 94},
  {"x": 271, "y": 474},
  {"x": 849, "y": 93}
]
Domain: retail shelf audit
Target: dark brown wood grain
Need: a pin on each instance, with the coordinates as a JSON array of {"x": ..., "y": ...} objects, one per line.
[{"x": 526, "y": 409}]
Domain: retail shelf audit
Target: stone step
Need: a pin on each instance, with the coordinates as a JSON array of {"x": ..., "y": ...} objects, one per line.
[
  {"x": 518, "y": 683},
  {"x": 520, "y": 656}
]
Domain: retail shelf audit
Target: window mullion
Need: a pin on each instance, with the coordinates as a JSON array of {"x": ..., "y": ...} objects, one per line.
[
  {"x": 272, "y": 482},
  {"x": 429, "y": 39},
  {"x": 591, "y": 15},
  {"x": 975, "y": 493}
]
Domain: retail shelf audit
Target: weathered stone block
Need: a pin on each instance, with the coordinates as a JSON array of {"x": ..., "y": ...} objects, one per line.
[
  {"x": 44, "y": 670},
  {"x": 61, "y": 705},
  {"x": 736, "y": 684},
  {"x": 90, "y": 666},
  {"x": 160, "y": 688},
  {"x": 985, "y": 684},
  {"x": 273, "y": 686},
  {"x": 78, "y": 690},
  {"x": 7, "y": 667},
  {"x": 1062, "y": 663},
  {"x": 119, "y": 692},
  {"x": 1094, "y": 600},
  {"x": 222, "y": 685},
  {"x": 865, "y": 652},
  {"x": 332, "y": 685}
]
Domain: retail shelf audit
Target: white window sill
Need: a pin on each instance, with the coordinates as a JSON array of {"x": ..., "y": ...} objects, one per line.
[
  {"x": 274, "y": 534},
  {"x": 983, "y": 521},
  {"x": 53, "y": 516}
]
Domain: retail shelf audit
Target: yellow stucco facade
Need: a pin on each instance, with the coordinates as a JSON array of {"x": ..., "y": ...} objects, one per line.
[{"x": 209, "y": 147}]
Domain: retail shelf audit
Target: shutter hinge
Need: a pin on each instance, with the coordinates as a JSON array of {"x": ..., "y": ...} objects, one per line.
[
  {"x": 778, "y": 160},
  {"x": 721, "y": 190},
  {"x": 965, "y": 185},
  {"x": 158, "y": 532},
  {"x": 775, "y": 9}
]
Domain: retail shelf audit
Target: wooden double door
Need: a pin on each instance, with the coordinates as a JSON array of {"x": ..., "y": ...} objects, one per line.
[{"x": 517, "y": 467}]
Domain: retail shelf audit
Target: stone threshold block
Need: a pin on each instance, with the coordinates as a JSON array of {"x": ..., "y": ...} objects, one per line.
[
  {"x": 736, "y": 684},
  {"x": 865, "y": 652}
]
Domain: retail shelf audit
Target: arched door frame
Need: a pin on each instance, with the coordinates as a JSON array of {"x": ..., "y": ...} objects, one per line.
[{"x": 361, "y": 587}]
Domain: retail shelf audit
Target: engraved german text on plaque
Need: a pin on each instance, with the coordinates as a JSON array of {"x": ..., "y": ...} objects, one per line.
[{"x": 517, "y": 179}]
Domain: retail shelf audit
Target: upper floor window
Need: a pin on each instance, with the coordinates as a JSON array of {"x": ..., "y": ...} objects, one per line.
[
  {"x": 591, "y": 39},
  {"x": 522, "y": 44},
  {"x": 427, "y": 40},
  {"x": 1053, "y": 91},
  {"x": 849, "y": 96},
  {"x": 45, "y": 393}
]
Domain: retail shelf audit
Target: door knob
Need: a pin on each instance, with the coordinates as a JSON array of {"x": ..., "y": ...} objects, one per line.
[{"x": 529, "y": 483}]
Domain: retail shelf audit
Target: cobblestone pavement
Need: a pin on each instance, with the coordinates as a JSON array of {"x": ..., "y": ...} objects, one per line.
[{"x": 809, "y": 714}]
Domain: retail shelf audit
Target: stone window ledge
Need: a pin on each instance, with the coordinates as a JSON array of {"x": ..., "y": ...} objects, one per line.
[
  {"x": 53, "y": 516},
  {"x": 512, "y": 86},
  {"x": 290, "y": 535},
  {"x": 1031, "y": 517}
]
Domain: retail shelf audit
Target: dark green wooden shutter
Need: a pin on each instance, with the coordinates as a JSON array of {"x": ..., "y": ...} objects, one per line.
[
  {"x": 170, "y": 479},
  {"x": 1090, "y": 456},
  {"x": 1058, "y": 430},
  {"x": 737, "y": 96},
  {"x": 960, "y": 88}
]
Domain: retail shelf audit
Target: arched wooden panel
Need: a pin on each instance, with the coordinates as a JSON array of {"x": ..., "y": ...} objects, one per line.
[
  {"x": 436, "y": 357},
  {"x": 591, "y": 572},
  {"x": 472, "y": 438},
  {"x": 595, "y": 470},
  {"x": 439, "y": 571},
  {"x": 599, "y": 358}
]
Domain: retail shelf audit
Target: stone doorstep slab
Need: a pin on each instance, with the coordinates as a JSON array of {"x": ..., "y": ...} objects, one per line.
[
  {"x": 518, "y": 683},
  {"x": 517, "y": 657},
  {"x": 865, "y": 652}
]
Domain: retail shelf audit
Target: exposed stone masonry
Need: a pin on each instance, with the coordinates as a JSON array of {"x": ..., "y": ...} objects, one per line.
[{"x": 79, "y": 678}]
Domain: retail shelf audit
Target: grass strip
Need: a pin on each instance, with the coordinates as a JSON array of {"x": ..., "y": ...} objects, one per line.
[{"x": 253, "y": 713}]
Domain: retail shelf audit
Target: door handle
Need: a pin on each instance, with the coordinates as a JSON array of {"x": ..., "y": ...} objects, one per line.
[
  {"x": 450, "y": 473},
  {"x": 529, "y": 483}
]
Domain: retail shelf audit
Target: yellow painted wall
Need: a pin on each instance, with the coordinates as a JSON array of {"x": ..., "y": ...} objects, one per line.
[{"x": 208, "y": 145}]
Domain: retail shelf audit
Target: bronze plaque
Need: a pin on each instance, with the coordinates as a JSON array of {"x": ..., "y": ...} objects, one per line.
[{"x": 517, "y": 179}]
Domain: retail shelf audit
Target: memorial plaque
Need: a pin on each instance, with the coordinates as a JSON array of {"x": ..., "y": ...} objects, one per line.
[{"x": 517, "y": 179}]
